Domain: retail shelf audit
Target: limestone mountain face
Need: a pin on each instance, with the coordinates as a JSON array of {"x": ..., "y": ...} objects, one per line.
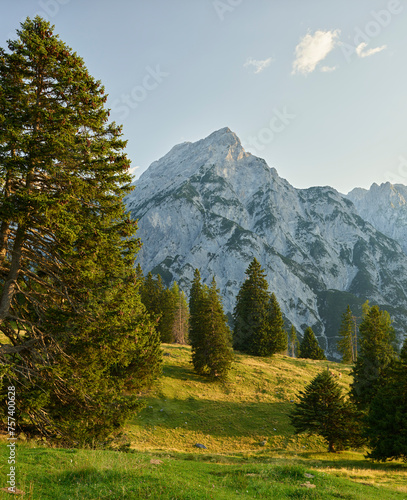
[
  {"x": 385, "y": 207},
  {"x": 211, "y": 205}
]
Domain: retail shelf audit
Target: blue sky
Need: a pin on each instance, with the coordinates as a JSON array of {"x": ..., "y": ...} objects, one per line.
[{"x": 317, "y": 88}]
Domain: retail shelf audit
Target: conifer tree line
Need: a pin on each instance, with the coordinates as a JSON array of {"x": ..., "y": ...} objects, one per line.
[
  {"x": 168, "y": 307},
  {"x": 374, "y": 412}
]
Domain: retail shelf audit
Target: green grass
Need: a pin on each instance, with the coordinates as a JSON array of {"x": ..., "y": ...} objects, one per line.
[
  {"x": 231, "y": 420},
  {"x": 251, "y": 407}
]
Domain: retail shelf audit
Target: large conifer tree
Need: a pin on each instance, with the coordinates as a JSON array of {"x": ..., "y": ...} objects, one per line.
[
  {"x": 376, "y": 352},
  {"x": 210, "y": 336},
  {"x": 323, "y": 410},
  {"x": 258, "y": 323},
  {"x": 386, "y": 421},
  {"x": 69, "y": 305}
]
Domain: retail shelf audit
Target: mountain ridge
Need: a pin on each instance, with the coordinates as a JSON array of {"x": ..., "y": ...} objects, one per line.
[{"x": 211, "y": 205}]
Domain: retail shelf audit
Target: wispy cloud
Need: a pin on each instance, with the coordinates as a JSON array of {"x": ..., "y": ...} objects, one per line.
[
  {"x": 312, "y": 49},
  {"x": 258, "y": 65},
  {"x": 328, "y": 69},
  {"x": 361, "y": 50}
]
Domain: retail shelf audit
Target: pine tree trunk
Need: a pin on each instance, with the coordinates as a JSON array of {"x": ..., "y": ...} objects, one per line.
[{"x": 10, "y": 283}]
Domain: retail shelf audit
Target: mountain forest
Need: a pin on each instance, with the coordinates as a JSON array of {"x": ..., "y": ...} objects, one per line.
[{"x": 273, "y": 317}]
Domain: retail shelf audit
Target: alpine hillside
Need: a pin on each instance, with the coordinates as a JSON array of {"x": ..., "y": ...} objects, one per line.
[{"x": 213, "y": 206}]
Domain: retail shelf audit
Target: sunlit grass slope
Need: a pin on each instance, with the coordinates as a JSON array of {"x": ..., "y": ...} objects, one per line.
[
  {"x": 237, "y": 416},
  {"x": 251, "y": 450}
]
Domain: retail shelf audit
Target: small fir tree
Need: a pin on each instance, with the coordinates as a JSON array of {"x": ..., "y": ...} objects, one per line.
[
  {"x": 251, "y": 311},
  {"x": 293, "y": 342},
  {"x": 258, "y": 325},
  {"x": 346, "y": 343},
  {"x": 150, "y": 292},
  {"x": 386, "y": 421},
  {"x": 309, "y": 347},
  {"x": 181, "y": 316},
  {"x": 376, "y": 352},
  {"x": 167, "y": 308},
  {"x": 323, "y": 410},
  {"x": 279, "y": 340},
  {"x": 209, "y": 335},
  {"x": 162, "y": 304}
]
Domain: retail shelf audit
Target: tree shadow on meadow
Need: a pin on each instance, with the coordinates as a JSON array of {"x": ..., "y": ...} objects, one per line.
[
  {"x": 339, "y": 460},
  {"x": 182, "y": 373},
  {"x": 220, "y": 418}
]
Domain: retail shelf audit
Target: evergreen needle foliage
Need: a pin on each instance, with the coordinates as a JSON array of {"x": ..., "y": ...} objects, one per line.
[
  {"x": 323, "y": 410},
  {"x": 376, "y": 352},
  {"x": 258, "y": 323},
  {"x": 167, "y": 306},
  {"x": 347, "y": 341},
  {"x": 293, "y": 343},
  {"x": 69, "y": 304},
  {"x": 279, "y": 335},
  {"x": 386, "y": 422},
  {"x": 309, "y": 347},
  {"x": 209, "y": 332}
]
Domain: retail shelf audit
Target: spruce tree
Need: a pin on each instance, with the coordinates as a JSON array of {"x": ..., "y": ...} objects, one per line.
[
  {"x": 376, "y": 352},
  {"x": 386, "y": 421},
  {"x": 161, "y": 304},
  {"x": 403, "y": 351},
  {"x": 346, "y": 343},
  {"x": 279, "y": 340},
  {"x": 210, "y": 335},
  {"x": 181, "y": 316},
  {"x": 196, "y": 315},
  {"x": 150, "y": 291},
  {"x": 323, "y": 410},
  {"x": 69, "y": 303},
  {"x": 309, "y": 347},
  {"x": 252, "y": 330},
  {"x": 168, "y": 301},
  {"x": 292, "y": 342}
]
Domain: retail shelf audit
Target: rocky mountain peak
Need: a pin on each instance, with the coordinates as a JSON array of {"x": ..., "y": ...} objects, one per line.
[{"x": 210, "y": 205}]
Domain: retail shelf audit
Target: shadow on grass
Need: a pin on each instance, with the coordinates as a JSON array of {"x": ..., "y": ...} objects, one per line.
[
  {"x": 181, "y": 373},
  {"x": 219, "y": 418},
  {"x": 339, "y": 460}
]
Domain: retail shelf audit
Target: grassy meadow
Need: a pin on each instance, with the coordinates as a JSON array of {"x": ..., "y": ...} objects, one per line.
[{"x": 251, "y": 450}]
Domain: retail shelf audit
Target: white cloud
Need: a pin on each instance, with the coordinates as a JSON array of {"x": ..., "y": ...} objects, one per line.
[
  {"x": 361, "y": 52},
  {"x": 132, "y": 170},
  {"x": 259, "y": 65},
  {"x": 313, "y": 49},
  {"x": 328, "y": 69}
]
